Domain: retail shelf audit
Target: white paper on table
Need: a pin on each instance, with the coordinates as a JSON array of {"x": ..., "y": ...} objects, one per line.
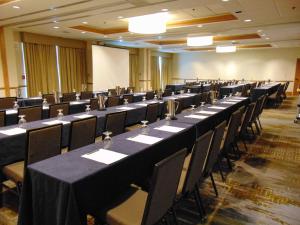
[
  {"x": 216, "y": 107},
  {"x": 145, "y": 139},
  {"x": 151, "y": 102},
  {"x": 196, "y": 117},
  {"x": 13, "y": 131},
  {"x": 141, "y": 104},
  {"x": 228, "y": 103},
  {"x": 83, "y": 116},
  {"x": 234, "y": 100},
  {"x": 75, "y": 103},
  {"x": 53, "y": 122},
  {"x": 125, "y": 108},
  {"x": 104, "y": 156},
  {"x": 207, "y": 112},
  {"x": 45, "y": 107},
  {"x": 241, "y": 98},
  {"x": 171, "y": 129},
  {"x": 11, "y": 111}
]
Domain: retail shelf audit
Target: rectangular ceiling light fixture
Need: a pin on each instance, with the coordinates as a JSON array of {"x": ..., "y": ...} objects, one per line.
[
  {"x": 200, "y": 41},
  {"x": 225, "y": 49}
]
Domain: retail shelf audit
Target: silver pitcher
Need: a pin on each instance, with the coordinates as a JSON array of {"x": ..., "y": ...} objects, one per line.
[
  {"x": 172, "y": 107},
  {"x": 101, "y": 102},
  {"x": 118, "y": 90},
  {"x": 213, "y": 96}
]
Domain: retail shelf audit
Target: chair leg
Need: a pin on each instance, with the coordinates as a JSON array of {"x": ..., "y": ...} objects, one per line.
[
  {"x": 257, "y": 127},
  {"x": 259, "y": 123},
  {"x": 173, "y": 212},
  {"x": 198, "y": 204},
  {"x": 245, "y": 145},
  {"x": 252, "y": 130},
  {"x": 200, "y": 200},
  {"x": 220, "y": 170},
  {"x": 214, "y": 185}
]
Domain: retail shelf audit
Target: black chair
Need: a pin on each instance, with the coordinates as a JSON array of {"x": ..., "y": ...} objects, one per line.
[
  {"x": 2, "y": 118},
  {"x": 276, "y": 99},
  {"x": 94, "y": 104},
  {"x": 32, "y": 113},
  {"x": 115, "y": 122},
  {"x": 180, "y": 105},
  {"x": 150, "y": 95},
  {"x": 53, "y": 109},
  {"x": 152, "y": 112},
  {"x": 143, "y": 208},
  {"x": 205, "y": 97},
  {"x": 113, "y": 92},
  {"x": 82, "y": 132},
  {"x": 255, "y": 114},
  {"x": 167, "y": 92},
  {"x": 193, "y": 174},
  {"x": 42, "y": 143},
  {"x": 86, "y": 95},
  {"x": 113, "y": 101},
  {"x": 7, "y": 102},
  {"x": 213, "y": 155},
  {"x": 263, "y": 104},
  {"x": 49, "y": 98},
  {"x": 129, "y": 98},
  {"x": 197, "y": 100},
  {"x": 245, "y": 122},
  {"x": 68, "y": 97}
]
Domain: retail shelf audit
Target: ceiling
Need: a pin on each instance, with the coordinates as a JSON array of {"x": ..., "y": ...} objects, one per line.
[{"x": 274, "y": 23}]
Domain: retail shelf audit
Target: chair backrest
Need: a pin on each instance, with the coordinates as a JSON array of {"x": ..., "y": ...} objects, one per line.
[
  {"x": 129, "y": 98},
  {"x": 83, "y": 132},
  {"x": 152, "y": 112},
  {"x": 43, "y": 143},
  {"x": 205, "y": 97},
  {"x": 130, "y": 88},
  {"x": 113, "y": 92},
  {"x": 149, "y": 95},
  {"x": 67, "y": 97},
  {"x": 50, "y": 98},
  {"x": 167, "y": 92},
  {"x": 197, "y": 162},
  {"x": 32, "y": 113},
  {"x": 123, "y": 91},
  {"x": 115, "y": 122},
  {"x": 263, "y": 104},
  {"x": 7, "y": 102},
  {"x": 233, "y": 126},
  {"x": 86, "y": 95},
  {"x": 256, "y": 111},
  {"x": 162, "y": 192},
  {"x": 247, "y": 117},
  {"x": 2, "y": 118},
  {"x": 215, "y": 147},
  {"x": 54, "y": 107},
  {"x": 180, "y": 105},
  {"x": 94, "y": 104},
  {"x": 113, "y": 101},
  {"x": 197, "y": 100}
]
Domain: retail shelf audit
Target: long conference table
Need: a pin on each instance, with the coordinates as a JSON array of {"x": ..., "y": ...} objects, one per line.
[
  {"x": 65, "y": 188},
  {"x": 266, "y": 89}
]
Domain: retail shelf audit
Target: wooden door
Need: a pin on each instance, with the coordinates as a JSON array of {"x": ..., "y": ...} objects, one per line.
[{"x": 297, "y": 77}]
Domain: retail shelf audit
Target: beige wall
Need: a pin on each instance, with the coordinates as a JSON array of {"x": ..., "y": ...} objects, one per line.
[{"x": 262, "y": 64}]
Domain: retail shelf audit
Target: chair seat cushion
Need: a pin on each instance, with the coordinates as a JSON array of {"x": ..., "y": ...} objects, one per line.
[
  {"x": 15, "y": 171},
  {"x": 129, "y": 212}
]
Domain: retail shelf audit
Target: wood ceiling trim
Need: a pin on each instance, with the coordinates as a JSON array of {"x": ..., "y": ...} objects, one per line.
[
  {"x": 204, "y": 20},
  {"x": 216, "y": 38},
  {"x": 2, "y": 2},
  {"x": 256, "y": 46},
  {"x": 238, "y": 47},
  {"x": 101, "y": 31}
]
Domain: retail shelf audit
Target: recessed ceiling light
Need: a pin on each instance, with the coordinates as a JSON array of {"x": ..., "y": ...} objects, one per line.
[
  {"x": 248, "y": 20},
  {"x": 105, "y": 36},
  {"x": 55, "y": 21},
  {"x": 200, "y": 41},
  {"x": 225, "y": 0},
  {"x": 120, "y": 17},
  {"x": 267, "y": 38},
  {"x": 259, "y": 31},
  {"x": 225, "y": 49},
  {"x": 200, "y": 25},
  {"x": 121, "y": 40},
  {"x": 52, "y": 8},
  {"x": 83, "y": 32},
  {"x": 16, "y": 7},
  {"x": 262, "y": 35},
  {"x": 84, "y": 22},
  {"x": 56, "y": 27},
  {"x": 120, "y": 37},
  {"x": 165, "y": 10}
]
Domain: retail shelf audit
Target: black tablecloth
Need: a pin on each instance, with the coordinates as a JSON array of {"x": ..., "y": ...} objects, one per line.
[
  {"x": 264, "y": 90},
  {"x": 63, "y": 189},
  {"x": 30, "y": 101},
  {"x": 175, "y": 87},
  {"x": 231, "y": 89}
]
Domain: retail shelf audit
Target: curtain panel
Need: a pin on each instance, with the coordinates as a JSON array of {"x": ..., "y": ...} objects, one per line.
[
  {"x": 155, "y": 73},
  {"x": 72, "y": 62},
  {"x": 166, "y": 71},
  {"x": 134, "y": 71},
  {"x": 41, "y": 69}
]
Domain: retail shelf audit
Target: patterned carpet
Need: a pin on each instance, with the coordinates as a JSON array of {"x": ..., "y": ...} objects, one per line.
[{"x": 264, "y": 187}]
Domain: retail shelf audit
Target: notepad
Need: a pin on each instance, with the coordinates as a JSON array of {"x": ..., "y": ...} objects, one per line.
[
  {"x": 228, "y": 103},
  {"x": 145, "y": 139},
  {"x": 75, "y": 103},
  {"x": 151, "y": 102},
  {"x": 141, "y": 104},
  {"x": 11, "y": 111},
  {"x": 206, "y": 112},
  {"x": 241, "y": 98},
  {"x": 125, "y": 108},
  {"x": 104, "y": 156},
  {"x": 200, "y": 117},
  {"x": 83, "y": 116},
  {"x": 234, "y": 100},
  {"x": 13, "y": 131},
  {"x": 216, "y": 107},
  {"x": 53, "y": 122},
  {"x": 171, "y": 129}
]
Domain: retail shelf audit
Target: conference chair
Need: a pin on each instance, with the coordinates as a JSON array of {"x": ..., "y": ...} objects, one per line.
[
  {"x": 150, "y": 95},
  {"x": 86, "y": 95},
  {"x": 113, "y": 101},
  {"x": 32, "y": 113},
  {"x": 197, "y": 100},
  {"x": 167, "y": 92},
  {"x": 193, "y": 175},
  {"x": 276, "y": 99},
  {"x": 113, "y": 92},
  {"x": 68, "y": 97},
  {"x": 49, "y": 98},
  {"x": 94, "y": 104},
  {"x": 263, "y": 104},
  {"x": 286, "y": 85},
  {"x": 115, "y": 122},
  {"x": 2, "y": 118},
  {"x": 205, "y": 97},
  {"x": 123, "y": 91},
  {"x": 255, "y": 113},
  {"x": 180, "y": 105},
  {"x": 142, "y": 208},
  {"x": 129, "y": 98},
  {"x": 42, "y": 143},
  {"x": 53, "y": 109},
  {"x": 82, "y": 132},
  {"x": 152, "y": 112},
  {"x": 7, "y": 102}
]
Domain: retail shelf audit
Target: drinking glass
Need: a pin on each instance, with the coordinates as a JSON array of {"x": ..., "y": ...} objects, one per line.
[
  {"x": 144, "y": 98},
  {"x": 107, "y": 135},
  {"x": 131, "y": 91},
  {"x": 168, "y": 116},
  {"x": 188, "y": 90},
  {"x": 230, "y": 95},
  {"x": 173, "y": 93},
  {"x": 77, "y": 97},
  {"x": 193, "y": 107},
  {"x": 225, "y": 96},
  {"x": 16, "y": 106},
  {"x": 155, "y": 97},
  {"x": 144, "y": 123},
  {"x": 87, "y": 109},
  {"x": 45, "y": 103},
  {"x": 202, "y": 104},
  {"x": 60, "y": 113},
  {"x": 22, "y": 120},
  {"x": 125, "y": 101}
]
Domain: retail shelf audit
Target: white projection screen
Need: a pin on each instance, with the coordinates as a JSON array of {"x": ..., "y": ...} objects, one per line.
[{"x": 110, "y": 67}]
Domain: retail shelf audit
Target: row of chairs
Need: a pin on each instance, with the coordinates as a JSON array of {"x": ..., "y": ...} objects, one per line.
[{"x": 277, "y": 98}]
